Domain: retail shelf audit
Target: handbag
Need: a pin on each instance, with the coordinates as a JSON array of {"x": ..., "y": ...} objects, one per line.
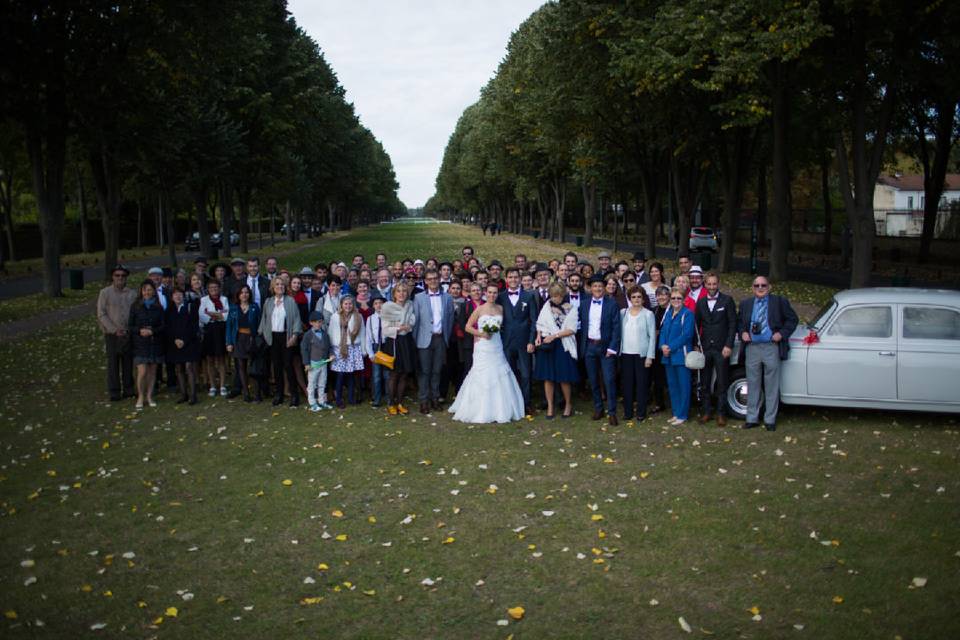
[
  {"x": 383, "y": 358},
  {"x": 694, "y": 359}
]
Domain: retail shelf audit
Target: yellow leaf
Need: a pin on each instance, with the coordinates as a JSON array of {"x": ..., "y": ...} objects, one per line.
[
  {"x": 141, "y": 604},
  {"x": 449, "y": 540},
  {"x": 601, "y": 534},
  {"x": 341, "y": 537},
  {"x": 598, "y": 561},
  {"x": 222, "y": 599},
  {"x": 608, "y": 460},
  {"x": 52, "y": 473},
  {"x": 644, "y": 474},
  {"x": 837, "y": 599},
  {"x": 105, "y": 445},
  {"x": 259, "y": 494},
  {"x": 10, "y": 614},
  {"x": 370, "y": 592},
  {"x": 596, "y": 517},
  {"x": 372, "y": 520},
  {"x": 288, "y": 482},
  {"x": 323, "y": 566},
  {"x": 755, "y": 610},
  {"x": 158, "y": 620},
  {"x": 311, "y": 600},
  {"x": 86, "y": 588},
  {"x": 516, "y": 612},
  {"x": 171, "y": 612},
  {"x": 336, "y": 513},
  {"x": 596, "y": 551},
  {"x": 108, "y": 594}
]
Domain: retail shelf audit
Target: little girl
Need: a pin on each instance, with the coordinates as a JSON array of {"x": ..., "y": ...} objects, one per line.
[{"x": 346, "y": 342}]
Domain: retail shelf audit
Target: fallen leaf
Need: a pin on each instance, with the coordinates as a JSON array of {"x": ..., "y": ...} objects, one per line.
[
  {"x": 684, "y": 624},
  {"x": 516, "y": 612},
  {"x": 171, "y": 612}
]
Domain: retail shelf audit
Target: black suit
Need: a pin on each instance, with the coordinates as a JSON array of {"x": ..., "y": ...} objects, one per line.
[
  {"x": 718, "y": 329},
  {"x": 781, "y": 318},
  {"x": 519, "y": 330}
]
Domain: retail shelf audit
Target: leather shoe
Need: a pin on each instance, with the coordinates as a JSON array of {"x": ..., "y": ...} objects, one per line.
[
  {"x": 434, "y": 404},
  {"x": 597, "y": 415},
  {"x": 612, "y": 420},
  {"x": 705, "y": 418},
  {"x": 751, "y": 425},
  {"x": 772, "y": 427},
  {"x": 424, "y": 408},
  {"x": 721, "y": 420}
]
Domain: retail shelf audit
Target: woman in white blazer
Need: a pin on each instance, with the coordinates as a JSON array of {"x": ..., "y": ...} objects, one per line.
[
  {"x": 280, "y": 325},
  {"x": 638, "y": 347}
]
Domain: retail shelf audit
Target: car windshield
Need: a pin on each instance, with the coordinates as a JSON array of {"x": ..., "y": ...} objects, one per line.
[
  {"x": 704, "y": 231},
  {"x": 825, "y": 312}
]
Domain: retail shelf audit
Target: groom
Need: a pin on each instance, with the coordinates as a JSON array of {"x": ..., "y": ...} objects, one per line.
[
  {"x": 519, "y": 331},
  {"x": 434, "y": 311}
]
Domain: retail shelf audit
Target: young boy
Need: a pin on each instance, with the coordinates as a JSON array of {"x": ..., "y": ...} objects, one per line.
[
  {"x": 315, "y": 354},
  {"x": 374, "y": 339}
]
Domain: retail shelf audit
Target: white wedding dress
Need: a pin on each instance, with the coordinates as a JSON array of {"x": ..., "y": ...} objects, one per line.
[{"x": 490, "y": 392}]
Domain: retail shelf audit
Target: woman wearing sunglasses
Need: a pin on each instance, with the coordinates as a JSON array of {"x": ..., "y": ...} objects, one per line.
[{"x": 676, "y": 339}]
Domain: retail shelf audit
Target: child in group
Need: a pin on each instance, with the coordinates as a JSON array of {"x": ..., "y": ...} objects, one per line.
[
  {"x": 315, "y": 354},
  {"x": 372, "y": 344},
  {"x": 346, "y": 342}
]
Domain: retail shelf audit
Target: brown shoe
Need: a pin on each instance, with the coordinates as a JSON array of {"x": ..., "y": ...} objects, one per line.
[
  {"x": 612, "y": 420},
  {"x": 597, "y": 415},
  {"x": 424, "y": 408},
  {"x": 705, "y": 418},
  {"x": 721, "y": 420},
  {"x": 434, "y": 404}
]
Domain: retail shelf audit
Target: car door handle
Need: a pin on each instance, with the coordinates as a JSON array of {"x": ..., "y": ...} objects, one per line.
[{"x": 887, "y": 353}]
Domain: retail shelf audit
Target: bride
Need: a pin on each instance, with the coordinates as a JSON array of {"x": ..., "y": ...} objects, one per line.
[{"x": 490, "y": 392}]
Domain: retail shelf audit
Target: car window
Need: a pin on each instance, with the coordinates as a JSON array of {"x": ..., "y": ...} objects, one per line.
[
  {"x": 825, "y": 312},
  {"x": 931, "y": 323},
  {"x": 863, "y": 322}
]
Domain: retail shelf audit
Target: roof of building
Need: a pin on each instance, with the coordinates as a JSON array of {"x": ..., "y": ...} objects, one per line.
[{"x": 913, "y": 182}]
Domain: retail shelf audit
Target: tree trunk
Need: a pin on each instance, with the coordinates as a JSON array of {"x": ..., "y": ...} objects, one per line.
[
  {"x": 934, "y": 176},
  {"x": 226, "y": 216},
  {"x": 589, "y": 188},
  {"x": 200, "y": 204},
  {"x": 560, "y": 197},
  {"x": 827, "y": 203},
  {"x": 763, "y": 208},
  {"x": 780, "y": 218},
  {"x": 6, "y": 205},
  {"x": 650, "y": 192},
  {"x": 165, "y": 215},
  {"x": 689, "y": 178},
  {"x": 103, "y": 168},
  {"x": 244, "y": 195},
  {"x": 139, "y": 224},
  {"x": 82, "y": 210},
  {"x": 47, "y": 153},
  {"x": 542, "y": 208},
  {"x": 734, "y": 160}
]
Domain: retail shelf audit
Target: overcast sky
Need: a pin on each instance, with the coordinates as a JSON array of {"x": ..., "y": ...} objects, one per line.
[{"x": 411, "y": 67}]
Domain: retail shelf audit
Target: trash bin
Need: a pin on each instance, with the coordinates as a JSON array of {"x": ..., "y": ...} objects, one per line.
[
  {"x": 579, "y": 241},
  {"x": 76, "y": 279},
  {"x": 705, "y": 260}
]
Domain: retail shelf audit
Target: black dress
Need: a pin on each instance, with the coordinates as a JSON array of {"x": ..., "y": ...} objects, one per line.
[
  {"x": 146, "y": 349},
  {"x": 183, "y": 324}
]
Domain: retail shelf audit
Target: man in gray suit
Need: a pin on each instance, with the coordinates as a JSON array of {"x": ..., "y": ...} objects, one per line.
[{"x": 434, "y": 311}]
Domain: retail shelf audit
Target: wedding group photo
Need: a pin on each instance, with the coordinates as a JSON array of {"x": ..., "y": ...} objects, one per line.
[{"x": 488, "y": 319}]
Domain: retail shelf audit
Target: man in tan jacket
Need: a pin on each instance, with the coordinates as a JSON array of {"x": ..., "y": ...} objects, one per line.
[{"x": 113, "y": 313}]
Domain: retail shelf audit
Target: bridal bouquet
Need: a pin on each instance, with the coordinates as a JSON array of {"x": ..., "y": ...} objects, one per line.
[{"x": 490, "y": 325}]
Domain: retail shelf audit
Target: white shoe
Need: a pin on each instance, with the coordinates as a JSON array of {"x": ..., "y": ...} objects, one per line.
[
  {"x": 151, "y": 403},
  {"x": 224, "y": 392},
  {"x": 213, "y": 392},
  {"x": 673, "y": 420},
  {"x": 678, "y": 423}
]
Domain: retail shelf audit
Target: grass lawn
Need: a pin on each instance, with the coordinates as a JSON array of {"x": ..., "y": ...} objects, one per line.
[{"x": 230, "y": 520}]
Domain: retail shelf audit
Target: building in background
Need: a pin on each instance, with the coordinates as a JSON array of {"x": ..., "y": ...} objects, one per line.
[{"x": 898, "y": 202}]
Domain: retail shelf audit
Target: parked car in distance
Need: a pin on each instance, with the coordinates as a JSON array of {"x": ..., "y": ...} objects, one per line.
[
  {"x": 703, "y": 239},
  {"x": 892, "y": 348},
  {"x": 192, "y": 243}
]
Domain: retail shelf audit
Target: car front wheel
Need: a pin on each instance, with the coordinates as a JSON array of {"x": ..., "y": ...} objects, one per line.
[{"x": 736, "y": 396}]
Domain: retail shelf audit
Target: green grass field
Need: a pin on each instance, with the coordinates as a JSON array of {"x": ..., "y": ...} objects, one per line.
[{"x": 230, "y": 520}]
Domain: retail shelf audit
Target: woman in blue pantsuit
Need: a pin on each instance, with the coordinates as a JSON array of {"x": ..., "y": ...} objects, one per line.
[{"x": 676, "y": 339}]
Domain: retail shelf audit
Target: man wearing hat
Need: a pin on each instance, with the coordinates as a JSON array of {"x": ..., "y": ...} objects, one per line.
[
  {"x": 697, "y": 290},
  {"x": 603, "y": 260},
  {"x": 155, "y": 274},
  {"x": 200, "y": 268},
  {"x": 113, "y": 313},
  {"x": 599, "y": 345},
  {"x": 235, "y": 280},
  {"x": 640, "y": 267}
]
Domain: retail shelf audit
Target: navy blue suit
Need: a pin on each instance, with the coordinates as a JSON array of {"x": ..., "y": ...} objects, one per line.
[
  {"x": 601, "y": 368},
  {"x": 519, "y": 330}
]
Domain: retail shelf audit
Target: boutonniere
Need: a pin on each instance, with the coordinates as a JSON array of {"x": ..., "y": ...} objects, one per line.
[{"x": 523, "y": 306}]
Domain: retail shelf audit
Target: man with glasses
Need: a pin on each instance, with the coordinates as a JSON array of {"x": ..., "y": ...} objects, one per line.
[
  {"x": 434, "y": 311},
  {"x": 766, "y": 324},
  {"x": 113, "y": 313},
  {"x": 467, "y": 253}
]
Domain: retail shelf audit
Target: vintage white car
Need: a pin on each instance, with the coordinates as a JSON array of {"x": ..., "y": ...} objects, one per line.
[{"x": 883, "y": 348}]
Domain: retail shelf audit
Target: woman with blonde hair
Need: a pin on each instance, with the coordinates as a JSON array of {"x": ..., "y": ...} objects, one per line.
[
  {"x": 346, "y": 345},
  {"x": 398, "y": 320}
]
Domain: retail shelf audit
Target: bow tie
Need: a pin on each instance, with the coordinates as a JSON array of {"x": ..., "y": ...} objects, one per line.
[
  {"x": 598, "y": 302},
  {"x": 434, "y": 294},
  {"x": 574, "y": 296},
  {"x": 514, "y": 293},
  {"x": 713, "y": 298}
]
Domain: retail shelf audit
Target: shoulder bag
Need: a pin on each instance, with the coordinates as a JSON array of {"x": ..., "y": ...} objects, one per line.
[{"x": 694, "y": 359}]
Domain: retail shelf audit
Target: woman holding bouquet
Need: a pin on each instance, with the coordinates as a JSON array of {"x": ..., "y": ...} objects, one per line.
[{"x": 490, "y": 392}]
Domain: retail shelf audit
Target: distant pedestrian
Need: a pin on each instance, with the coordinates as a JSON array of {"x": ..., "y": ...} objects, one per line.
[{"x": 766, "y": 324}]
